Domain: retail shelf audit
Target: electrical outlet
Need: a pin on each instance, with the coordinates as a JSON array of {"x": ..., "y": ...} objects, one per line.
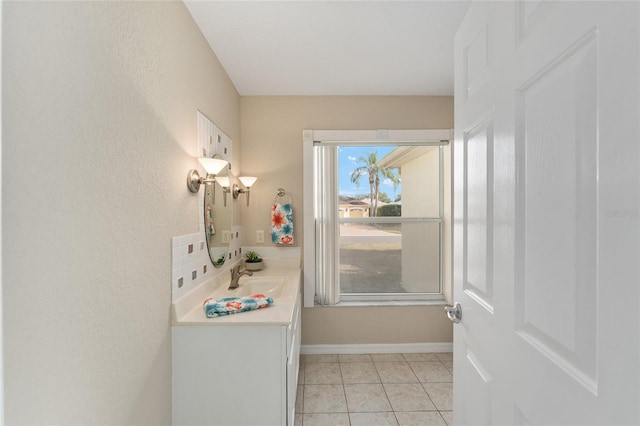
[{"x": 260, "y": 236}]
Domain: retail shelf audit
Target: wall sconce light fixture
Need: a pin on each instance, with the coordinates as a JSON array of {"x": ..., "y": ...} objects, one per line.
[
  {"x": 224, "y": 183},
  {"x": 212, "y": 166},
  {"x": 247, "y": 181}
]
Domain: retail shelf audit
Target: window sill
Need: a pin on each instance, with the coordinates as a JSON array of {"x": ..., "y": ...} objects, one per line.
[{"x": 351, "y": 304}]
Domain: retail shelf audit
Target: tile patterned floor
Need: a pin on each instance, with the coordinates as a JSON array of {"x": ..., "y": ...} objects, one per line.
[{"x": 376, "y": 389}]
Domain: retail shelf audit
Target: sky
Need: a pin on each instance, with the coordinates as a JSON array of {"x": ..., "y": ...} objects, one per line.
[{"x": 347, "y": 162}]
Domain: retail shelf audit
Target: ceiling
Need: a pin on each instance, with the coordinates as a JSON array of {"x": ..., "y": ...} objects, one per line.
[{"x": 333, "y": 47}]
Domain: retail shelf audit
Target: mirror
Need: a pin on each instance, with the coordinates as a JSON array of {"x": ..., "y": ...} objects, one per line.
[{"x": 217, "y": 220}]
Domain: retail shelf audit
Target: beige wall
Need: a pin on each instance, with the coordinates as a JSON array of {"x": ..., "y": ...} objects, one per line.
[
  {"x": 421, "y": 185},
  {"x": 271, "y": 133},
  {"x": 99, "y": 112}
]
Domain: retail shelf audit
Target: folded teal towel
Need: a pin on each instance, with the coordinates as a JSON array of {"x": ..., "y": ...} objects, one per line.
[{"x": 233, "y": 305}]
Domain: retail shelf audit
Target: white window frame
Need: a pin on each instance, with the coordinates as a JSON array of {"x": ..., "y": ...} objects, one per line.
[{"x": 310, "y": 228}]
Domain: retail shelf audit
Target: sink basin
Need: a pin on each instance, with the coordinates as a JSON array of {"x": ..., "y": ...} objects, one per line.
[{"x": 269, "y": 286}]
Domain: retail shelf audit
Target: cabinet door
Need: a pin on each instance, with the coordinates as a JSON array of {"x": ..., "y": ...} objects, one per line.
[
  {"x": 293, "y": 362},
  {"x": 231, "y": 375}
]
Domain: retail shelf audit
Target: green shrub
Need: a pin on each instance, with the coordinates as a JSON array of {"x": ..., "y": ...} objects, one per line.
[{"x": 390, "y": 210}]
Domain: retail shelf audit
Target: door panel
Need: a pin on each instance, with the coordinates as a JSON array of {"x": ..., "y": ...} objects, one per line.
[
  {"x": 557, "y": 216},
  {"x": 546, "y": 213},
  {"x": 563, "y": 296},
  {"x": 478, "y": 390},
  {"x": 478, "y": 205},
  {"x": 476, "y": 60}
]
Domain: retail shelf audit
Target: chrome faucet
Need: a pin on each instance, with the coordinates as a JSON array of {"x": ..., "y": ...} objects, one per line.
[{"x": 235, "y": 276}]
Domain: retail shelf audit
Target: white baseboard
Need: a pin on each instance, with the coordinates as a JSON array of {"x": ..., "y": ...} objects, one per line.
[{"x": 405, "y": 348}]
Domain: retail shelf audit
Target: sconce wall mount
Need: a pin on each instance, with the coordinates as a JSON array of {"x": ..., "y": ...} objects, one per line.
[
  {"x": 237, "y": 191},
  {"x": 194, "y": 180}
]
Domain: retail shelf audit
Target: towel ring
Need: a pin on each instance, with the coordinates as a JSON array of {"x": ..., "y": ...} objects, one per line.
[{"x": 281, "y": 193}]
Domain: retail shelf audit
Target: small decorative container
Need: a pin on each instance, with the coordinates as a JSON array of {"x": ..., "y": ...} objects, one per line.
[
  {"x": 256, "y": 266},
  {"x": 252, "y": 261}
]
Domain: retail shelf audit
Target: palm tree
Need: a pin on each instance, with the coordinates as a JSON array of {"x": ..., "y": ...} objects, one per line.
[{"x": 371, "y": 168}]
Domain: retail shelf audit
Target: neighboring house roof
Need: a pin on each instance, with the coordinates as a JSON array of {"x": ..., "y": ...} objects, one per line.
[
  {"x": 344, "y": 200},
  {"x": 367, "y": 201}
]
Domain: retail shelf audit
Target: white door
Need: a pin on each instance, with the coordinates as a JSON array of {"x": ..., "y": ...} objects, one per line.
[{"x": 547, "y": 214}]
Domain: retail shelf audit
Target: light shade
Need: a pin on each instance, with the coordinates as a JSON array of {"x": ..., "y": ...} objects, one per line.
[
  {"x": 213, "y": 165},
  {"x": 223, "y": 181},
  {"x": 248, "y": 180}
]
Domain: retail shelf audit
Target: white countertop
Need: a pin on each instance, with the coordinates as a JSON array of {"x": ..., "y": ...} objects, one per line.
[{"x": 188, "y": 309}]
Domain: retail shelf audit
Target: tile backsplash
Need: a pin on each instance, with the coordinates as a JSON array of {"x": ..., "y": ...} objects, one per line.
[{"x": 190, "y": 263}]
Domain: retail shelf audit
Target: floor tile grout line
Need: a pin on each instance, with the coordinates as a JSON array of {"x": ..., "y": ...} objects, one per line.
[
  {"x": 385, "y": 393},
  {"x": 431, "y": 381},
  {"x": 344, "y": 391},
  {"x": 429, "y": 396}
]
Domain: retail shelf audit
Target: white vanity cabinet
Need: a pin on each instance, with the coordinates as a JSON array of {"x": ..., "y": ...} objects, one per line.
[{"x": 236, "y": 373}]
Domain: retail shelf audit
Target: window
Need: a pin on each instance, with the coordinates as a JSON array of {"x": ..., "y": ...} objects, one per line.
[{"x": 375, "y": 215}]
